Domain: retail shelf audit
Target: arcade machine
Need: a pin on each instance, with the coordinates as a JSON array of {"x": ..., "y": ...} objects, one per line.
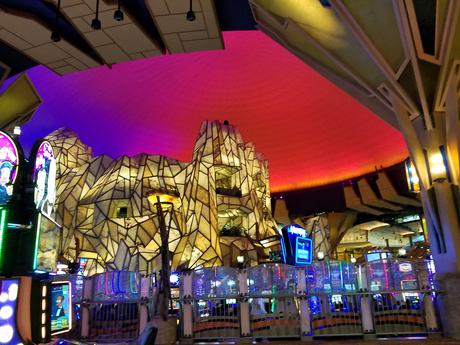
[
  {"x": 174, "y": 281},
  {"x": 405, "y": 275},
  {"x": 32, "y": 308}
]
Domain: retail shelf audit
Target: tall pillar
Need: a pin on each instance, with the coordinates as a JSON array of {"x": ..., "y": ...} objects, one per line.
[
  {"x": 434, "y": 149},
  {"x": 187, "y": 303},
  {"x": 245, "y": 317},
  {"x": 143, "y": 307}
]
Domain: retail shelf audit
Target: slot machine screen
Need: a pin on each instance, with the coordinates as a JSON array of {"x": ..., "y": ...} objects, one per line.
[{"x": 61, "y": 307}]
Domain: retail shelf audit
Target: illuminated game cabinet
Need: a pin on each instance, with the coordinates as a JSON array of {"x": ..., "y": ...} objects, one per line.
[
  {"x": 32, "y": 308},
  {"x": 296, "y": 246}
]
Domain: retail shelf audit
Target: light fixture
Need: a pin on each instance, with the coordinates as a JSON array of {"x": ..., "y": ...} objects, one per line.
[
  {"x": 240, "y": 259},
  {"x": 413, "y": 181},
  {"x": 55, "y": 35},
  {"x": 174, "y": 278},
  {"x": 402, "y": 252},
  {"x": 437, "y": 166},
  {"x": 190, "y": 14},
  {"x": 353, "y": 259},
  {"x": 96, "y": 23},
  {"x": 62, "y": 266},
  {"x": 17, "y": 129},
  {"x": 118, "y": 14},
  {"x": 167, "y": 197},
  {"x": 320, "y": 255}
]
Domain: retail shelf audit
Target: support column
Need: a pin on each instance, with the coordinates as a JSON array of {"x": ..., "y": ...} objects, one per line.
[
  {"x": 143, "y": 307},
  {"x": 435, "y": 153},
  {"x": 245, "y": 317},
  {"x": 85, "y": 315},
  {"x": 366, "y": 304},
  {"x": 306, "y": 333},
  {"x": 430, "y": 313},
  {"x": 187, "y": 305}
]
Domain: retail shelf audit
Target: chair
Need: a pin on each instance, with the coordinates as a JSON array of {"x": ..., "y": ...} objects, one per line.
[{"x": 147, "y": 337}]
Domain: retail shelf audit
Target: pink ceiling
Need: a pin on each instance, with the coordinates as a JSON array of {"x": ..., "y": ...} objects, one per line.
[{"x": 311, "y": 132}]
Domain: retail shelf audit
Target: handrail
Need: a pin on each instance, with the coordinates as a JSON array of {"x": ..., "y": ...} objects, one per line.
[{"x": 297, "y": 295}]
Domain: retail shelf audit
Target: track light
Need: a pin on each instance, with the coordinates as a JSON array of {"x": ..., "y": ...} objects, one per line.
[
  {"x": 96, "y": 23},
  {"x": 118, "y": 14},
  {"x": 55, "y": 35},
  {"x": 190, "y": 14}
]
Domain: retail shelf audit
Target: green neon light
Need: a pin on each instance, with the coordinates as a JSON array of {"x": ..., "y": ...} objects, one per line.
[
  {"x": 2, "y": 233},
  {"x": 37, "y": 238}
]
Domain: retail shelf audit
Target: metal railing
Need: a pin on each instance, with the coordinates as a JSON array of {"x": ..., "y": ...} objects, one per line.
[
  {"x": 398, "y": 313},
  {"x": 278, "y": 316},
  {"x": 335, "y": 314},
  {"x": 113, "y": 321},
  {"x": 274, "y": 316},
  {"x": 215, "y": 318}
]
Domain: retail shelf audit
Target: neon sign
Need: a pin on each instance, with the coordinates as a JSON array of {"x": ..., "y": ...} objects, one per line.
[
  {"x": 303, "y": 253},
  {"x": 296, "y": 246}
]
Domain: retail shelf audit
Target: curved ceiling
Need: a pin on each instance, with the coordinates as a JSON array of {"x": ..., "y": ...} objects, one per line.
[{"x": 311, "y": 132}]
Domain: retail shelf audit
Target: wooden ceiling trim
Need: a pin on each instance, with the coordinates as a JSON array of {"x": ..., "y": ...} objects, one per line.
[
  {"x": 372, "y": 52},
  {"x": 275, "y": 29},
  {"x": 446, "y": 51},
  {"x": 404, "y": 28}
]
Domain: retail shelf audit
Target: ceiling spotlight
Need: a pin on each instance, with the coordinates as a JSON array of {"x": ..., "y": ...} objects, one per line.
[
  {"x": 96, "y": 23},
  {"x": 17, "y": 129},
  {"x": 190, "y": 14},
  {"x": 55, "y": 36},
  {"x": 118, "y": 14}
]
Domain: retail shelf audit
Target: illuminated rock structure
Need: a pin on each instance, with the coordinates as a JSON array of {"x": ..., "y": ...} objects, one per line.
[{"x": 107, "y": 217}]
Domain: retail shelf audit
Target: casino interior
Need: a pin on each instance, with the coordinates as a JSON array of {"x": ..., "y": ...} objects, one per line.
[{"x": 304, "y": 180}]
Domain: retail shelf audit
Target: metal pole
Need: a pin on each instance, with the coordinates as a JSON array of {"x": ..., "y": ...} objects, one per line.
[{"x": 164, "y": 263}]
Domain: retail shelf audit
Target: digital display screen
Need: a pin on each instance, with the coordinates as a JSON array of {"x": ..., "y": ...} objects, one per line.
[
  {"x": 303, "y": 251},
  {"x": 405, "y": 267},
  {"x": 409, "y": 284},
  {"x": 45, "y": 179},
  {"x": 8, "y": 165},
  {"x": 61, "y": 307}
]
